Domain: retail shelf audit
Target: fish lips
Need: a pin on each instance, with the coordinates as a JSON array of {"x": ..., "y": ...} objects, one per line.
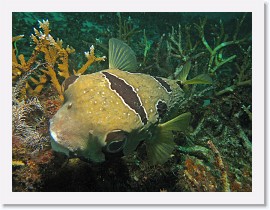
[
  {"x": 56, "y": 145},
  {"x": 86, "y": 148}
]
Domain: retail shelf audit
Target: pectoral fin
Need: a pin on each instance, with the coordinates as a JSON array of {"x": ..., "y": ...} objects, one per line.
[{"x": 160, "y": 147}]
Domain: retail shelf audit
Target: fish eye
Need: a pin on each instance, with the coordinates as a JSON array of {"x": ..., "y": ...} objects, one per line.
[
  {"x": 116, "y": 146},
  {"x": 116, "y": 141}
]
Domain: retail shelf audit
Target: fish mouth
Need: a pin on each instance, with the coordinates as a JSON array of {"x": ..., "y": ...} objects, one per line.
[
  {"x": 56, "y": 146},
  {"x": 91, "y": 153},
  {"x": 70, "y": 141},
  {"x": 59, "y": 138},
  {"x": 61, "y": 149}
]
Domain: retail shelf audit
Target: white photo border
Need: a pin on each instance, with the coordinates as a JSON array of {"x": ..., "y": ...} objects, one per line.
[{"x": 257, "y": 196}]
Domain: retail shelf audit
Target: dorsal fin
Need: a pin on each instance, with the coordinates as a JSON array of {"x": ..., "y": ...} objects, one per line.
[{"x": 121, "y": 56}]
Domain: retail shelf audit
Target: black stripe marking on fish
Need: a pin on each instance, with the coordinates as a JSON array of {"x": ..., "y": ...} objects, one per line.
[
  {"x": 128, "y": 95},
  {"x": 67, "y": 82},
  {"x": 164, "y": 84},
  {"x": 162, "y": 108}
]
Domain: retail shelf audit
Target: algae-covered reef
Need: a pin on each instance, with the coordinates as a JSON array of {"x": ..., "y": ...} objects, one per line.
[{"x": 214, "y": 154}]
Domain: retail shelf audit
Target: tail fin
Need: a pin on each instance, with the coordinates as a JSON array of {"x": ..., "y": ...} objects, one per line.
[
  {"x": 200, "y": 79},
  {"x": 160, "y": 147}
]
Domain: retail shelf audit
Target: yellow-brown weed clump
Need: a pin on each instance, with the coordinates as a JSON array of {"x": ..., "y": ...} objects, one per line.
[{"x": 50, "y": 57}]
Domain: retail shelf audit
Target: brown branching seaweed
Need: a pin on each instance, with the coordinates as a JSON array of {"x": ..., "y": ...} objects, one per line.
[
  {"x": 197, "y": 176},
  {"x": 55, "y": 61},
  {"x": 203, "y": 174},
  {"x": 200, "y": 177},
  {"x": 220, "y": 165}
]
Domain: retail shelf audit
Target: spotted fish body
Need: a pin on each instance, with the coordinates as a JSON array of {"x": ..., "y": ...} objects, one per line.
[{"x": 114, "y": 110}]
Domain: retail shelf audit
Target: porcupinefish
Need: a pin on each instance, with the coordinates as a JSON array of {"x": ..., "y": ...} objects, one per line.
[{"x": 114, "y": 110}]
